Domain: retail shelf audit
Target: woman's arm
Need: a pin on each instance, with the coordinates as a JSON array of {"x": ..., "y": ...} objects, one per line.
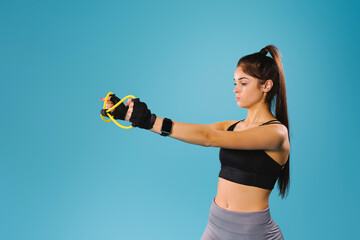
[
  {"x": 261, "y": 137},
  {"x": 187, "y": 132}
]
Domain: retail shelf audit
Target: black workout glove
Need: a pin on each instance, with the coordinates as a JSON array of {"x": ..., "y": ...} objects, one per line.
[
  {"x": 119, "y": 112},
  {"x": 141, "y": 116}
]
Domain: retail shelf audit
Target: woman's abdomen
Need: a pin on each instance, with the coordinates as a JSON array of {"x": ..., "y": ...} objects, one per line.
[{"x": 241, "y": 198}]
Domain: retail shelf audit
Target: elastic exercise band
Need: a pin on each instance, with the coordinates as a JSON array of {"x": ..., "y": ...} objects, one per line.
[{"x": 109, "y": 110}]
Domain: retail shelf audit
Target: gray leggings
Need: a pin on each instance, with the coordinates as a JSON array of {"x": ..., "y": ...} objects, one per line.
[{"x": 229, "y": 225}]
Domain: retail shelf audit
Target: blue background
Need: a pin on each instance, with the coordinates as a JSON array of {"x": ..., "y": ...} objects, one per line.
[{"x": 67, "y": 174}]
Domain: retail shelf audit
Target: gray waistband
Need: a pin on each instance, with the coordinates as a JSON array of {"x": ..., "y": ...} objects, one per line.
[{"x": 224, "y": 215}]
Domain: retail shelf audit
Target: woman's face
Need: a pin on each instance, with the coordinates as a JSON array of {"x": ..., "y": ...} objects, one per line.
[{"x": 246, "y": 90}]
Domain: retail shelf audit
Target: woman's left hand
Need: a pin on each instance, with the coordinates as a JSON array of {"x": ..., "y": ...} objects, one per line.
[
  {"x": 130, "y": 111},
  {"x": 141, "y": 116}
]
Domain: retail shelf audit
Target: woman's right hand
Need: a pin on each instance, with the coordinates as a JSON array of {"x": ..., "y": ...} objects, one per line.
[
  {"x": 119, "y": 114},
  {"x": 109, "y": 104}
]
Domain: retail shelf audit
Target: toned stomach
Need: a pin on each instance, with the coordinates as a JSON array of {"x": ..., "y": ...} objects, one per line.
[{"x": 241, "y": 198}]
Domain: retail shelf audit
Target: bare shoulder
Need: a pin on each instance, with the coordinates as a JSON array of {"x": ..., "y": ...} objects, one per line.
[
  {"x": 224, "y": 125},
  {"x": 280, "y": 130}
]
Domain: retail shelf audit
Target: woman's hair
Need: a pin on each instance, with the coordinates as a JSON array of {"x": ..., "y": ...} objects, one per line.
[{"x": 262, "y": 67}]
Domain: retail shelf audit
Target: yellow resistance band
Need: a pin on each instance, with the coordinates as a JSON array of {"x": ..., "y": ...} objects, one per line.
[{"x": 109, "y": 110}]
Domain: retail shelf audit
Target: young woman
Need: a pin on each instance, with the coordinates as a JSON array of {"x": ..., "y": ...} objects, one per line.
[{"x": 254, "y": 152}]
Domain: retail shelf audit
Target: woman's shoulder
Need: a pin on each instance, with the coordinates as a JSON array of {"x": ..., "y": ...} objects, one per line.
[
  {"x": 224, "y": 125},
  {"x": 229, "y": 123}
]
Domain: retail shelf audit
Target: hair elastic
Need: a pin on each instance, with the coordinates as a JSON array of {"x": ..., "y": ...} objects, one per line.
[{"x": 263, "y": 51}]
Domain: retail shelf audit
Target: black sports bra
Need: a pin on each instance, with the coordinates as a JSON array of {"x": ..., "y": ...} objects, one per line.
[{"x": 249, "y": 167}]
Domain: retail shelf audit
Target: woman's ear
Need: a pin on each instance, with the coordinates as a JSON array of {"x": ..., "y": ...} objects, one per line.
[{"x": 268, "y": 85}]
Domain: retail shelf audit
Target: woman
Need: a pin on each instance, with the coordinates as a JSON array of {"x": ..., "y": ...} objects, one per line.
[{"x": 254, "y": 152}]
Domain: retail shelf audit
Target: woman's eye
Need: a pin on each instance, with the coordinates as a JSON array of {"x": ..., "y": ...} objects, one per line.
[{"x": 244, "y": 84}]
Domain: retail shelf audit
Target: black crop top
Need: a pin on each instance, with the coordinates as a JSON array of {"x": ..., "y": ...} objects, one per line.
[{"x": 249, "y": 167}]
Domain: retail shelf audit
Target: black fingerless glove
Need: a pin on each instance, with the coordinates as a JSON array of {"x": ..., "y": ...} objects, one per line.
[
  {"x": 141, "y": 116},
  {"x": 119, "y": 112}
]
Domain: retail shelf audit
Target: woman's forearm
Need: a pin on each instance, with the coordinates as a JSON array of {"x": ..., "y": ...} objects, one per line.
[{"x": 187, "y": 132}]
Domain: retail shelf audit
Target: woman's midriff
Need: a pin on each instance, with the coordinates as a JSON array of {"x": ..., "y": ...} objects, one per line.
[{"x": 241, "y": 198}]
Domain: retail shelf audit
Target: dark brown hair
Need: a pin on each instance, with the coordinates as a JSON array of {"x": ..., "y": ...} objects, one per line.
[{"x": 262, "y": 67}]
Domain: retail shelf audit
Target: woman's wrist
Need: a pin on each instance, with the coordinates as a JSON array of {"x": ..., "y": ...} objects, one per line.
[
  {"x": 157, "y": 125},
  {"x": 152, "y": 120}
]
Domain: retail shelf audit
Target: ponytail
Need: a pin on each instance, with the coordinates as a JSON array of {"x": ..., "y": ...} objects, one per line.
[{"x": 263, "y": 68}]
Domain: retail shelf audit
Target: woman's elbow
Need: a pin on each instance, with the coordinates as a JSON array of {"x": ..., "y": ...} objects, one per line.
[{"x": 209, "y": 138}]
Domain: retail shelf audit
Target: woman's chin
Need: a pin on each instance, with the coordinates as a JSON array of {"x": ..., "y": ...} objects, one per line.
[{"x": 240, "y": 105}]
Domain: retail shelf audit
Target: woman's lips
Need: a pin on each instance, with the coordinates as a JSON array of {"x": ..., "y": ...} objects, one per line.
[{"x": 237, "y": 98}]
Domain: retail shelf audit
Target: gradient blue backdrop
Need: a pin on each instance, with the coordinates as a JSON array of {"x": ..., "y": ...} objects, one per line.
[{"x": 67, "y": 174}]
